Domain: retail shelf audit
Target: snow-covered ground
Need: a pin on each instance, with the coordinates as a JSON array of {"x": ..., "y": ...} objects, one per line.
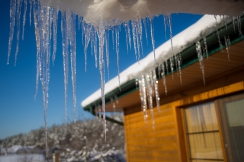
[{"x": 23, "y": 158}]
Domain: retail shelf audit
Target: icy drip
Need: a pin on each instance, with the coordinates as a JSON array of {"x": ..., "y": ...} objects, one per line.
[
  {"x": 155, "y": 84},
  {"x": 87, "y": 35},
  {"x": 142, "y": 90},
  {"x": 145, "y": 28},
  {"x": 38, "y": 59},
  {"x": 200, "y": 58},
  {"x": 205, "y": 46},
  {"x": 165, "y": 28},
  {"x": 149, "y": 86},
  {"x": 134, "y": 40},
  {"x": 107, "y": 51},
  {"x": 18, "y": 12},
  {"x": 227, "y": 46},
  {"x": 163, "y": 73},
  {"x": 239, "y": 26},
  {"x": 24, "y": 19},
  {"x": 178, "y": 59},
  {"x": 153, "y": 41},
  {"x": 101, "y": 33},
  {"x": 127, "y": 35},
  {"x": 170, "y": 29},
  {"x": 72, "y": 36},
  {"x": 54, "y": 22},
  {"x": 42, "y": 21},
  {"x": 65, "y": 61},
  {"x": 172, "y": 66},
  {"x": 137, "y": 37},
  {"x": 30, "y": 1},
  {"x": 117, "y": 51},
  {"x": 12, "y": 25},
  {"x": 220, "y": 44}
]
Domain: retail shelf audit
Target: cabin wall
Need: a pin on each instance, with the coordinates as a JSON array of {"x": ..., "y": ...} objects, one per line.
[
  {"x": 146, "y": 141},
  {"x": 165, "y": 140}
]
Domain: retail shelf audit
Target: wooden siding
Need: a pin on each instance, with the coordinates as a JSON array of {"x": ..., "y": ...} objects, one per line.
[
  {"x": 147, "y": 144},
  {"x": 166, "y": 141}
]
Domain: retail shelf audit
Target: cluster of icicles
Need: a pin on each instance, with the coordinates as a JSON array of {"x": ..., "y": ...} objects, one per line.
[
  {"x": 46, "y": 22},
  {"x": 148, "y": 82}
]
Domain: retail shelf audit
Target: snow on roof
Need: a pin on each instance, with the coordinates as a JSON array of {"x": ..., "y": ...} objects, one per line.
[
  {"x": 115, "y": 11},
  {"x": 203, "y": 27}
]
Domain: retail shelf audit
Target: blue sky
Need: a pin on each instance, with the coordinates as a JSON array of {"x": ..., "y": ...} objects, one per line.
[{"x": 19, "y": 112}]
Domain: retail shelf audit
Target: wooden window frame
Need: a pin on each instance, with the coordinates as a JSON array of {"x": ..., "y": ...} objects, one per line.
[{"x": 203, "y": 97}]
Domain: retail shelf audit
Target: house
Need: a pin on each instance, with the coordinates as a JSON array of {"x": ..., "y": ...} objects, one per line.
[{"x": 199, "y": 116}]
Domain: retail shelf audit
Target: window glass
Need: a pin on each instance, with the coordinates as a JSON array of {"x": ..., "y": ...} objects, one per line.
[{"x": 203, "y": 133}]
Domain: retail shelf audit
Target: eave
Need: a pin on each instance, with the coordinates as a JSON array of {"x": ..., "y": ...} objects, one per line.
[{"x": 128, "y": 94}]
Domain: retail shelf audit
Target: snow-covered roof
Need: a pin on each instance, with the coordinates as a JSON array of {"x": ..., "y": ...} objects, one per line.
[
  {"x": 114, "y": 11},
  {"x": 205, "y": 26}
]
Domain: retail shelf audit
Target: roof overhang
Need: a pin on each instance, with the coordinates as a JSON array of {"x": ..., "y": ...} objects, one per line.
[{"x": 216, "y": 63}]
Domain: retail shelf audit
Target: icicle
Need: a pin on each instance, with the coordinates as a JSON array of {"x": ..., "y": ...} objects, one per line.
[
  {"x": 101, "y": 33},
  {"x": 164, "y": 78},
  {"x": 65, "y": 61},
  {"x": 167, "y": 67},
  {"x": 113, "y": 37},
  {"x": 117, "y": 52},
  {"x": 171, "y": 59},
  {"x": 12, "y": 25},
  {"x": 127, "y": 35},
  {"x": 95, "y": 48},
  {"x": 134, "y": 35},
  {"x": 72, "y": 28},
  {"x": 170, "y": 29},
  {"x": 239, "y": 26},
  {"x": 153, "y": 41},
  {"x": 143, "y": 94},
  {"x": 55, "y": 21},
  {"x": 150, "y": 96},
  {"x": 107, "y": 50},
  {"x": 87, "y": 34},
  {"x": 227, "y": 47},
  {"x": 200, "y": 58},
  {"x": 205, "y": 46},
  {"x": 165, "y": 24},
  {"x": 145, "y": 28},
  {"x": 42, "y": 30},
  {"x": 220, "y": 44},
  {"x": 38, "y": 59},
  {"x": 155, "y": 84},
  {"x": 18, "y": 11},
  {"x": 30, "y": 1},
  {"x": 179, "y": 67},
  {"x": 24, "y": 19},
  {"x": 225, "y": 21}
]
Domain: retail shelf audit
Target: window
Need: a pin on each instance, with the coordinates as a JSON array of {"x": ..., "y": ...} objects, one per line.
[
  {"x": 232, "y": 122},
  {"x": 202, "y": 133}
]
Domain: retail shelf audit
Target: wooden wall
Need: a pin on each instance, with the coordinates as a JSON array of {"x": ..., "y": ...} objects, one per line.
[
  {"x": 145, "y": 143},
  {"x": 165, "y": 142}
]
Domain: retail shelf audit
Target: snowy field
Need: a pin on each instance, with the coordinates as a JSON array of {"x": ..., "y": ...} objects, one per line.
[{"x": 23, "y": 158}]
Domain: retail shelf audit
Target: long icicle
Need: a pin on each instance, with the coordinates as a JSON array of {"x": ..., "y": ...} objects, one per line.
[
  {"x": 101, "y": 33},
  {"x": 24, "y": 19},
  {"x": 65, "y": 62},
  {"x": 13, "y": 6},
  {"x": 152, "y": 37},
  {"x": 117, "y": 51}
]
